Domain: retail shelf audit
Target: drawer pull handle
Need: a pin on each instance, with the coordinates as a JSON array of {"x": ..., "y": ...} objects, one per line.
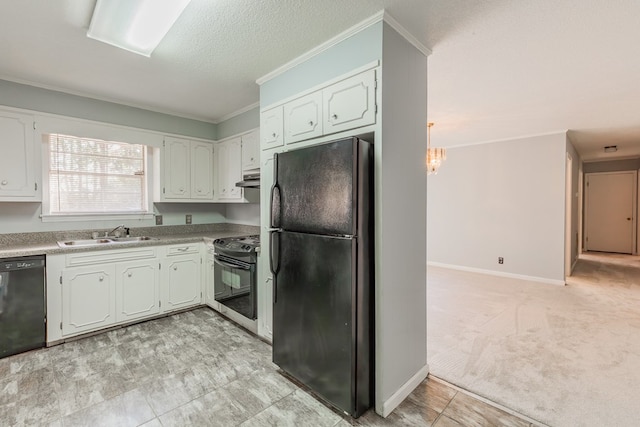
[{"x": 183, "y": 249}]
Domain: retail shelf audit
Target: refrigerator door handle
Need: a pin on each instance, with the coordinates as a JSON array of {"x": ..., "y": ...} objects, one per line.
[
  {"x": 274, "y": 260},
  {"x": 274, "y": 251},
  {"x": 275, "y": 196}
]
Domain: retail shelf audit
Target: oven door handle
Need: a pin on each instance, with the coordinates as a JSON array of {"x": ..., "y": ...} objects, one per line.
[{"x": 228, "y": 264}]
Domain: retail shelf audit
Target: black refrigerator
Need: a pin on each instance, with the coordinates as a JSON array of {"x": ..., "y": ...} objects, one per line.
[{"x": 322, "y": 264}]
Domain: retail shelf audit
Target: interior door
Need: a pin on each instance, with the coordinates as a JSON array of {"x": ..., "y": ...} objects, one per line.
[{"x": 609, "y": 211}]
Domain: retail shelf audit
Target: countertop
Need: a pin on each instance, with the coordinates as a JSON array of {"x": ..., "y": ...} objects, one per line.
[{"x": 46, "y": 243}]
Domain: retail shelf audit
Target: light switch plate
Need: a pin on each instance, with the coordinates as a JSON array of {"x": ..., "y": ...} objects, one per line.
[
  {"x": 158, "y": 219},
  {"x": 188, "y": 219}
]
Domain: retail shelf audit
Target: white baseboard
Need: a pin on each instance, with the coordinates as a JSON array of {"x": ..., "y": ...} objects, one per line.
[
  {"x": 498, "y": 273},
  {"x": 385, "y": 408}
]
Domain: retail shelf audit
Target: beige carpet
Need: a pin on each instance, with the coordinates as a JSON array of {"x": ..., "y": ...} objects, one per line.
[{"x": 565, "y": 356}]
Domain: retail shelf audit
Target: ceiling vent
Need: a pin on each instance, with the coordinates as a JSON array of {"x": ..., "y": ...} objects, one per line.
[{"x": 610, "y": 148}]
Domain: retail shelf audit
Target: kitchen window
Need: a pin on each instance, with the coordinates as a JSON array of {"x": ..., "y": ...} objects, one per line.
[{"x": 88, "y": 176}]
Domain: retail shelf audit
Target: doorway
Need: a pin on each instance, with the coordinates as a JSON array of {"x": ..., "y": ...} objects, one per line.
[{"x": 610, "y": 212}]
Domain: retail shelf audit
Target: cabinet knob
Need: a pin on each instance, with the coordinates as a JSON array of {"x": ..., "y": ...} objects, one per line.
[
  {"x": 129, "y": 275},
  {"x": 252, "y": 159},
  {"x": 4, "y": 182},
  {"x": 334, "y": 116},
  {"x": 273, "y": 134},
  {"x": 199, "y": 190},
  {"x": 101, "y": 278},
  {"x": 181, "y": 189},
  {"x": 310, "y": 122},
  {"x": 175, "y": 268}
]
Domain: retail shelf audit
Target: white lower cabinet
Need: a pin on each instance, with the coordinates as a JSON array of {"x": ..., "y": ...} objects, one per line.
[
  {"x": 93, "y": 290},
  {"x": 182, "y": 277},
  {"x": 88, "y": 298},
  {"x": 137, "y": 290}
]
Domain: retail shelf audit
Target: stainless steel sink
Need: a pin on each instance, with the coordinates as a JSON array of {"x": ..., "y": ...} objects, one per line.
[
  {"x": 132, "y": 239},
  {"x": 103, "y": 241},
  {"x": 87, "y": 242}
]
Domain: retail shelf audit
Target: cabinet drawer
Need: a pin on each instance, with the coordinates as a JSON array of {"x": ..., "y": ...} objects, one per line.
[
  {"x": 102, "y": 257},
  {"x": 350, "y": 103},
  {"x": 187, "y": 248}
]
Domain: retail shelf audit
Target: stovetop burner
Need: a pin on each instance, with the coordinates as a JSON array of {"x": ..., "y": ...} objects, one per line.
[{"x": 244, "y": 244}]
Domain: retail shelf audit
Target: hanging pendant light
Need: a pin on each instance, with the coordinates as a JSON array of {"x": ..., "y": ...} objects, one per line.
[{"x": 435, "y": 156}]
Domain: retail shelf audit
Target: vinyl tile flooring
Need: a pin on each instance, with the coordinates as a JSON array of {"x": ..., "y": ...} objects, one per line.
[{"x": 195, "y": 368}]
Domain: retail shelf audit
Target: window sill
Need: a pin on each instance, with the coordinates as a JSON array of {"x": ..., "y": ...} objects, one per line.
[{"x": 116, "y": 216}]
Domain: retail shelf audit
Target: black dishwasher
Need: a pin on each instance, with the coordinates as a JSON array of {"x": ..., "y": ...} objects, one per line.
[{"x": 22, "y": 304}]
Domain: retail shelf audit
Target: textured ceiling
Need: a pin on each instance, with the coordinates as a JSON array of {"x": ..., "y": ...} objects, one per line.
[{"x": 499, "y": 69}]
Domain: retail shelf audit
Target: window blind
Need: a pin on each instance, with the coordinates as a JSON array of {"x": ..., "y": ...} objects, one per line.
[{"x": 95, "y": 176}]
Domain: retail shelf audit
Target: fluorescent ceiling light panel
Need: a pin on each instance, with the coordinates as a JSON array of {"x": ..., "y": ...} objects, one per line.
[{"x": 134, "y": 25}]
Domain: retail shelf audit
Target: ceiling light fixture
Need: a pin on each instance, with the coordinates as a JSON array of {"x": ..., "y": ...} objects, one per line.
[
  {"x": 610, "y": 148},
  {"x": 435, "y": 156},
  {"x": 134, "y": 25}
]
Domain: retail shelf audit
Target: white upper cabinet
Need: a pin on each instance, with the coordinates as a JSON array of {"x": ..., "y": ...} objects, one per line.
[
  {"x": 271, "y": 128},
  {"x": 187, "y": 170},
  {"x": 17, "y": 162},
  {"x": 228, "y": 167},
  {"x": 201, "y": 170},
  {"x": 350, "y": 103},
  {"x": 303, "y": 118},
  {"x": 337, "y": 107},
  {"x": 251, "y": 150},
  {"x": 177, "y": 168}
]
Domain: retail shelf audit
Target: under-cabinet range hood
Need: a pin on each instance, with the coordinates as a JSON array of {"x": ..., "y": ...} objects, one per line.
[{"x": 250, "y": 180}]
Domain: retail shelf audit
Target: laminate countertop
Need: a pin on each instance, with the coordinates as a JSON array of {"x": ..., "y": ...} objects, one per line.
[{"x": 46, "y": 243}]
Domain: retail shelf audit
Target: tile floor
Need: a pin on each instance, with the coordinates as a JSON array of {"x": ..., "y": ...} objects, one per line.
[{"x": 194, "y": 369}]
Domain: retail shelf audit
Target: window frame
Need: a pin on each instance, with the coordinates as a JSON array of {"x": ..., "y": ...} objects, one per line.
[{"x": 46, "y": 214}]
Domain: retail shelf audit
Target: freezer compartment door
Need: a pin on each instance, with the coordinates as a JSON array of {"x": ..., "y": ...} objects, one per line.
[
  {"x": 316, "y": 189},
  {"x": 314, "y": 315}
]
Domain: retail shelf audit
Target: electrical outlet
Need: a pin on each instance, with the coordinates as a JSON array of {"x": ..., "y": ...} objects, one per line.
[
  {"x": 187, "y": 219},
  {"x": 158, "y": 219},
  {"x": 500, "y": 260}
]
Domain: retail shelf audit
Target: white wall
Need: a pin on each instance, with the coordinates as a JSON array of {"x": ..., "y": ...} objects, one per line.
[
  {"x": 575, "y": 202},
  {"x": 503, "y": 199},
  {"x": 401, "y": 234}
]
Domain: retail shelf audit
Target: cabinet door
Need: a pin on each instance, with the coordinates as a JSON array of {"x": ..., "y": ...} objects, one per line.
[
  {"x": 265, "y": 280},
  {"x": 183, "y": 282},
  {"x": 229, "y": 169},
  {"x": 251, "y": 150},
  {"x": 209, "y": 286},
  {"x": 137, "y": 288},
  {"x": 201, "y": 170},
  {"x": 177, "y": 168},
  {"x": 17, "y": 161},
  {"x": 350, "y": 103},
  {"x": 271, "y": 127},
  {"x": 303, "y": 118},
  {"x": 88, "y": 296}
]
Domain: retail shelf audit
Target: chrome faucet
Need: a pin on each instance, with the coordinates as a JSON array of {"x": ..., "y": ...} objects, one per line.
[{"x": 117, "y": 231}]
